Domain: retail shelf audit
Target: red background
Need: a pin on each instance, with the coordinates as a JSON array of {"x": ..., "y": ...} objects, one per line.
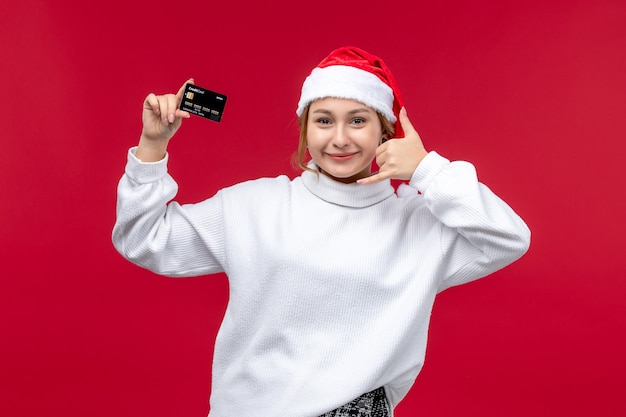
[{"x": 532, "y": 92}]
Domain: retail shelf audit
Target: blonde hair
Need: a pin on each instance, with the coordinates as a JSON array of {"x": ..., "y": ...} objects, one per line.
[{"x": 300, "y": 158}]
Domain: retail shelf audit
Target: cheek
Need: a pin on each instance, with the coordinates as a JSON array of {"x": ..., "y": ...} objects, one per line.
[
  {"x": 369, "y": 149},
  {"x": 370, "y": 152},
  {"x": 370, "y": 142},
  {"x": 316, "y": 138}
]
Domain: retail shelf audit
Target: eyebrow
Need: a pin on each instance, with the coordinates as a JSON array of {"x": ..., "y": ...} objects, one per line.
[{"x": 351, "y": 112}]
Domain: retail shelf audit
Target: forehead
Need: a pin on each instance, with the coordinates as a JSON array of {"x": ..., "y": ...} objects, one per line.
[{"x": 339, "y": 105}]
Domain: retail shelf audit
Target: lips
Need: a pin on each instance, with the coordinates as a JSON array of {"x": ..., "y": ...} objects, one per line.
[{"x": 342, "y": 156}]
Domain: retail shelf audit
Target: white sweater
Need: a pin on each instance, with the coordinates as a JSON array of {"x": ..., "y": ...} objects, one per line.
[{"x": 331, "y": 284}]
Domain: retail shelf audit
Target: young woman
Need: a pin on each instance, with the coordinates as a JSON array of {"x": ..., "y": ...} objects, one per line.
[{"x": 333, "y": 274}]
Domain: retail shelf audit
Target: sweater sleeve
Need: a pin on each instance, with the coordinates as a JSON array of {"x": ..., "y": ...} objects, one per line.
[
  {"x": 159, "y": 234},
  {"x": 480, "y": 232}
]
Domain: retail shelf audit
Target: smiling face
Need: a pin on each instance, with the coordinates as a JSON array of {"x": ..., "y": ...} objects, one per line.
[{"x": 342, "y": 137}]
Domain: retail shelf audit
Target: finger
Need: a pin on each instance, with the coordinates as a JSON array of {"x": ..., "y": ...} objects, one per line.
[
  {"x": 181, "y": 90},
  {"x": 162, "y": 109},
  {"x": 172, "y": 106},
  {"x": 377, "y": 177},
  {"x": 381, "y": 148},
  {"x": 181, "y": 114},
  {"x": 382, "y": 153},
  {"x": 152, "y": 103}
]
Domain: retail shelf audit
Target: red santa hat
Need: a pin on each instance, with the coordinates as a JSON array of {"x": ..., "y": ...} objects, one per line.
[{"x": 352, "y": 73}]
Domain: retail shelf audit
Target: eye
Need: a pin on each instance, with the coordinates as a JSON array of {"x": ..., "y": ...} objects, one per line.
[
  {"x": 323, "y": 121},
  {"x": 358, "y": 120}
]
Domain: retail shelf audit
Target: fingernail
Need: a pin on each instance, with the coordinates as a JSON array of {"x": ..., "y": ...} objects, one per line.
[{"x": 170, "y": 118}]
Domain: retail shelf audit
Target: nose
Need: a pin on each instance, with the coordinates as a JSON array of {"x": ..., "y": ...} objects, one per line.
[{"x": 341, "y": 138}]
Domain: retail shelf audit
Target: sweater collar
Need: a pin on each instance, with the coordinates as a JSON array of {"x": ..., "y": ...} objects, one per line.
[{"x": 349, "y": 195}]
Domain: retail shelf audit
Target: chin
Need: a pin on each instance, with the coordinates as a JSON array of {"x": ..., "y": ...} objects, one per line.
[{"x": 344, "y": 176}]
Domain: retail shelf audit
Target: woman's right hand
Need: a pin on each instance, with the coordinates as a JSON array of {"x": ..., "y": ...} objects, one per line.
[{"x": 161, "y": 119}]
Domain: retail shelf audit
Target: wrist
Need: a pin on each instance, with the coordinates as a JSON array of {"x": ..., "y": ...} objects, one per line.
[{"x": 150, "y": 150}]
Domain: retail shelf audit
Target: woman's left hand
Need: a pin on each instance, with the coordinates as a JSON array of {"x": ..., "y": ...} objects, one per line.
[{"x": 398, "y": 158}]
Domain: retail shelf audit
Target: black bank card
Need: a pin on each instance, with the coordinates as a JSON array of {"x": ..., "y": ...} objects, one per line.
[{"x": 202, "y": 102}]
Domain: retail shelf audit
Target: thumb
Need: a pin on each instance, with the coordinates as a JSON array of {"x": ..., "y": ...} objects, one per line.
[
  {"x": 181, "y": 90},
  {"x": 406, "y": 124}
]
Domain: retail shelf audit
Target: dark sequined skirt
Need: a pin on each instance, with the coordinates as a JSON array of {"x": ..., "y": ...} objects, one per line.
[{"x": 372, "y": 404}]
